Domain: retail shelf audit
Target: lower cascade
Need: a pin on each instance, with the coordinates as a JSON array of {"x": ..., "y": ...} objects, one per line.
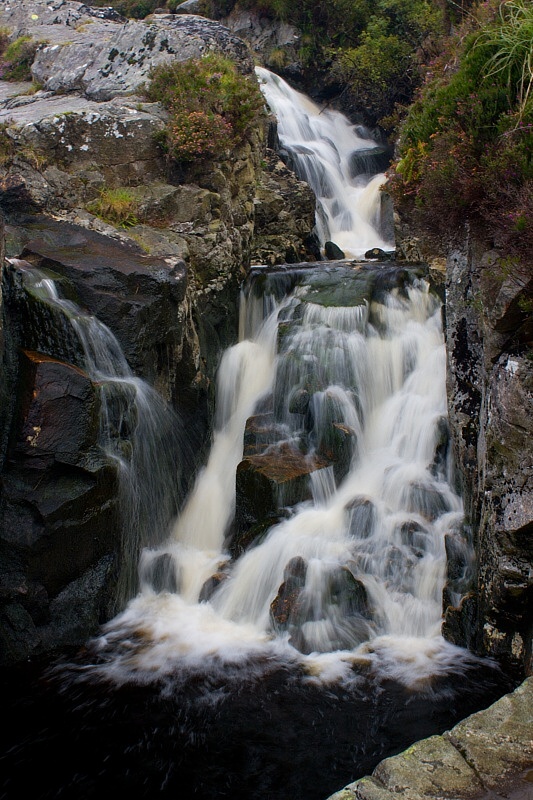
[{"x": 322, "y": 542}]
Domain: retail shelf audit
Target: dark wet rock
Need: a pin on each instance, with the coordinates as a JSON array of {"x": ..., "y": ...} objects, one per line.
[
  {"x": 284, "y": 216},
  {"x": 277, "y": 478},
  {"x": 490, "y": 379},
  {"x": 348, "y": 592},
  {"x": 299, "y": 401},
  {"x": 260, "y": 432},
  {"x": 79, "y": 608},
  {"x": 413, "y": 535},
  {"x": 369, "y": 161},
  {"x": 442, "y": 448},
  {"x": 377, "y": 254},
  {"x": 211, "y": 585},
  {"x": 362, "y": 517},
  {"x": 58, "y": 413},
  {"x": 333, "y": 252},
  {"x": 426, "y": 500},
  {"x": 242, "y": 538},
  {"x": 136, "y": 295},
  {"x": 58, "y": 512},
  {"x": 459, "y": 561},
  {"x": 385, "y": 222},
  {"x": 162, "y": 573},
  {"x": 332, "y": 438},
  {"x": 297, "y": 370},
  {"x": 286, "y": 608}
]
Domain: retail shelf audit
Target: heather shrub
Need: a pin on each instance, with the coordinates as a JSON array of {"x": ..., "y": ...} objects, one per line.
[
  {"x": 212, "y": 106},
  {"x": 466, "y": 145}
]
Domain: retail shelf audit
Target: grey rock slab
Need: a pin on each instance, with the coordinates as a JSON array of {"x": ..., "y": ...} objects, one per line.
[
  {"x": 39, "y": 109},
  {"x": 498, "y": 742},
  {"x": 10, "y": 89},
  {"x": 105, "y": 58},
  {"x": 430, "y": 768}
]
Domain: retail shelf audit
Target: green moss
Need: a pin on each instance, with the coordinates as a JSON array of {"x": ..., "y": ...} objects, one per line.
[{"x": 16, "y": 58}]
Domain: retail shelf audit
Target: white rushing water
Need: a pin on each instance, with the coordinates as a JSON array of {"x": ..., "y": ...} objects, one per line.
[{"x": 321, "y": 144}]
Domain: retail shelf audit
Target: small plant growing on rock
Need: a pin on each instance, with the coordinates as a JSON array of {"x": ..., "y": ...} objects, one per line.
[
  {"x": 117, "y": 206},
  {"x": 212, "y": 106},
  {"x": 16, "y": 58},
  {"x": 7, "y": 146}
]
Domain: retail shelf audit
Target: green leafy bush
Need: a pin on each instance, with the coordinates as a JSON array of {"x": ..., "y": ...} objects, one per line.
[
  {"x": 212, "y": 105},
  {"x": 379, "y": 69}
]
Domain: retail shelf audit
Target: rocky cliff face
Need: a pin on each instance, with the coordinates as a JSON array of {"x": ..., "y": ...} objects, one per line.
[
  {"x": 490, "y": 387},
  {"x": 164, "y": 280}
]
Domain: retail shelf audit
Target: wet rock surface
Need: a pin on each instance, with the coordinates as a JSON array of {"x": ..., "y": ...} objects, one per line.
[{"x": 490, "y": 386}]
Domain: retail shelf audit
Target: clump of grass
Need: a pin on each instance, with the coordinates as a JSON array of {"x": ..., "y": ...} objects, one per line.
[
  {"x": 512, "y": 61},
  {"x": 17, "y": 57},
  {"x": 117, "y": 206},
  {"x": 7, "y": 146}
]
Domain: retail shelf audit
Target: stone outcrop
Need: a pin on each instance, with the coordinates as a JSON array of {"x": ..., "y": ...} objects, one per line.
[
  {"x": 164, "y": 279},
  {"x": 489, "y": 754}
]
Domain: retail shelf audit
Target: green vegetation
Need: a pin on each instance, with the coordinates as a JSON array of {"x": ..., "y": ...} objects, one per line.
[
  {"x": 212, "y": 106},
  {"x": 466, "y": 144},
  {"x": 117, "y": 206},
  {"x": 16, "y": 57},
  {"x": 134, "y": 9},
  {"x": 7, "y": 146},
  {"x": 375, "y": 49}
]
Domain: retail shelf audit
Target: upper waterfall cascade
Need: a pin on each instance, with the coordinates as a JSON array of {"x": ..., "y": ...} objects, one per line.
[{"x": 321, "y": 145}]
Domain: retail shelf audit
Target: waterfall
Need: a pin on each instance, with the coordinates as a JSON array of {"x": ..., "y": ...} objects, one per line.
[
  {"x": 285, "y": 634},
  {"x": 139, "y": 432},
  {"x": 325, "y": 149}
]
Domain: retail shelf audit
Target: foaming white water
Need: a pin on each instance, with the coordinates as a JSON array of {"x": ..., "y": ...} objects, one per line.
[
  {"x": 321, "y": 143},
  {"x": 352, "y": 577}
]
